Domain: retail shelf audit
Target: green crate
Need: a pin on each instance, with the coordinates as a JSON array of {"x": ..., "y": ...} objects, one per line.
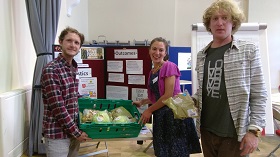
[{"x": 110, "y": 130}]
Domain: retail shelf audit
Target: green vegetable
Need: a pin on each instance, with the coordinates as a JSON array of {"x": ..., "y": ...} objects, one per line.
[
  {"x": 101, "y": 117},
  {"x": 121, "y": 119},
  {"x": 120, "y": 111}
]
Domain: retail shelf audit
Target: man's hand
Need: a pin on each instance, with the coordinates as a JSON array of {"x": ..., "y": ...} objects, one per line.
[
  {"x": 83, "y": 138},
  {"x": 248, "y": 144},
  {"x": 195, "y": 102}
]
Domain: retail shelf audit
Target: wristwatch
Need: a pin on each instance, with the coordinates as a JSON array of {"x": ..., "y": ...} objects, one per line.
[{"x": 257, "y": 133}]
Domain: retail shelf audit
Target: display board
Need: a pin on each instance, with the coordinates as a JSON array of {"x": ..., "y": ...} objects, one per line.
[
  {"x": 127, "y": 68},
  {"x": 181, "y": 56},
  {"x": 255, "y": 32},
  {"x": 118, "y": 70}
]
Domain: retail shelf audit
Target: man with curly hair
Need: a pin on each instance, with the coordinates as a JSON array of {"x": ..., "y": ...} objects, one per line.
[{"x": 232, "y": 94}]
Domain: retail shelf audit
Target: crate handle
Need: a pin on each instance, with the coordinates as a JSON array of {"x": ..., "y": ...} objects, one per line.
[
  {"x": 136, "y": 116},
  {"x": 100, "y": 129}
]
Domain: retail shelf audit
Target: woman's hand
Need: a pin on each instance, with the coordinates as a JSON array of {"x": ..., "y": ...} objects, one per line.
[
  {"x": 146, "y": 115},
  {"x": 137, "y": 103}
]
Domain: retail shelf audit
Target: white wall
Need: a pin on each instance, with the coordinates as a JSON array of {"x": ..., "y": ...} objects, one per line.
[
  {"x": 120, "y": 20},
  {"x": 268, "y": 12},
  {"x": 125, "y": 20},
  {"x": 77, "y": 20}
]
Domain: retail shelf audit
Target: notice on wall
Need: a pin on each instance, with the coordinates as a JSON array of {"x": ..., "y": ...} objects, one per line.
[
  {"x": 184, "y": 61},
  {"x": 126, "y": 53},
  {"x": 114, "y": 66},
  {"x": 136, "y": 79},
  {"x": 57, "y": 51},
  {"x": 81, "y": 65},
  {"x": 137, "y": 94},
  {"x": 116, "y": 92},
  {"x": 134, "y": 66},
  {"x": 115, "y": 77},
  {"x": 88, "y": 86},
  {"x": 84, "y": 72},
  {"x": 92, "y": 53}
]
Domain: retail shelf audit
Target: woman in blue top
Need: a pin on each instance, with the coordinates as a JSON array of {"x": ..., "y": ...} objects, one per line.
[{"x": 171, "y": 137}]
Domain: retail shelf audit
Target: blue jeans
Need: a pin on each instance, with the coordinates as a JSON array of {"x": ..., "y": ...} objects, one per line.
[{"x": 62, "y": 147}]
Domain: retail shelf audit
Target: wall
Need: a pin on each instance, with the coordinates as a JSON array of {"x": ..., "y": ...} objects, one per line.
[
  {"x": 122, "y": 20},
  {"x": 139, "y": 20},
  {"x": 77, "y": 20},
  {"x": 268, "y": 12},
  {"x": 125, "y": 20}
]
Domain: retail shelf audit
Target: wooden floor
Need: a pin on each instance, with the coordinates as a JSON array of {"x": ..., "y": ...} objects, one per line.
[{"x": 132, "y": 149}]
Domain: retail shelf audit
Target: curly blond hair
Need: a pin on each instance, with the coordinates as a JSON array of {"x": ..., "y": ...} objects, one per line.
[{"x": 228, "y": 6}]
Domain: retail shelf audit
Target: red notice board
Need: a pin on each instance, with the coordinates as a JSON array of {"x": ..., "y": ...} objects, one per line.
[
  {"x": 143, "y": 54},
  {"x": 97, "y": 70},
  {"x": 99, "y": 67}
]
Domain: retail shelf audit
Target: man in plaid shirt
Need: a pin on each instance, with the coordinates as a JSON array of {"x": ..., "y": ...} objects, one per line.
[{"x": 60, "y": 96}]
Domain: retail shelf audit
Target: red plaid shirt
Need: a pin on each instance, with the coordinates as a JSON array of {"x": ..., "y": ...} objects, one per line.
[{"x": 60, "y": 97}]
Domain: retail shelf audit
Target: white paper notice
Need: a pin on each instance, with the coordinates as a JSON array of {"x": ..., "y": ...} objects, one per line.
[
  {"x": 116, "y": 92},
  {"x": 126, "y": 53},
  {"x": 78, "y": 57},
  {"x": 88, "y": 86},
  {"x": 81, "y": 65},
  {"x": 136, "y": 79},
  {"x": 84, "y": 72},
  {"x": 114, "y": 66},
  {"x": 113, "y": 77},
  {"x": 138, "y": 94},
  {"x": 134, "y": 66},
  {"x": 184, "y": 61}
]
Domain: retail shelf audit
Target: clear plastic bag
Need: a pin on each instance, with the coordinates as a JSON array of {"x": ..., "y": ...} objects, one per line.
[{"x": 182, "y": 106}]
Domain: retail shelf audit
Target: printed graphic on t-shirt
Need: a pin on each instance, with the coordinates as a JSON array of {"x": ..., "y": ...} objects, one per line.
[{"x": 214, "y": 78}]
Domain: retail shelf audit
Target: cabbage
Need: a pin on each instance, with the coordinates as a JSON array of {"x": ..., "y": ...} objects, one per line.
[
  {"x": 88, "y": 115},
  {"x": 101, "y": 117},
  {"x": 121, "y": 119}
]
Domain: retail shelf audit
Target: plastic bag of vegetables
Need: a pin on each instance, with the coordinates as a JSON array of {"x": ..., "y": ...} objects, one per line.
[
  {"x": 182, "y": 106},
  {"x": 121, "y": 119},
  {"x": 87, "y": 115},
  {"x": 101, "y": 117},
  {"x": 121, "y": 111}
]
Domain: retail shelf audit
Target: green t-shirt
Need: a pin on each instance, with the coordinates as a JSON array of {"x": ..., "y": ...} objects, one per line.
[{"x": 215, "y": 114}]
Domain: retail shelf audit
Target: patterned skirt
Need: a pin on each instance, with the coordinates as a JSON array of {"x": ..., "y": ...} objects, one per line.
[{"x": 173, "y": 137}]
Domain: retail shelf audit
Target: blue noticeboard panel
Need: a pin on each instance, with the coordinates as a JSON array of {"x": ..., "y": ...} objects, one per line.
[{"x": 185, "y": 55}]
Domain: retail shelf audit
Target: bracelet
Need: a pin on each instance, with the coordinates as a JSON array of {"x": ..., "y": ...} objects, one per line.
[{"x": 257, "y": 133}]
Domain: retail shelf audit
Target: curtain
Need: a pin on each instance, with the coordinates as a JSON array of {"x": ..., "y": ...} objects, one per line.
[{"x": 43, "y": 18}]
